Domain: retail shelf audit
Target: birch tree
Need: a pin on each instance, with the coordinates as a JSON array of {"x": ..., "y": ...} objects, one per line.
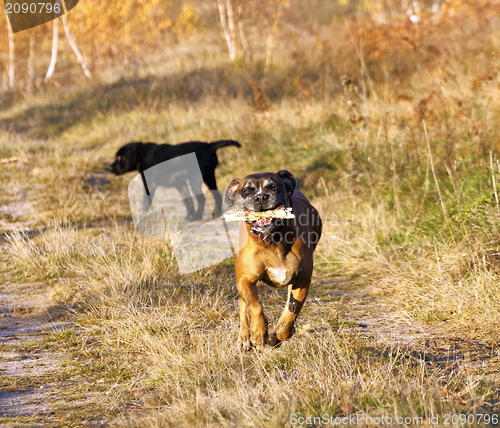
[
  {"x": 11, "y": 68},
  {"x": 31, "y": 62},
  {"x": 226, "y": 14},
  {"x": 272, "y": 35},
  {"x": 74, "y": 46},
  {"x": 233, "y": 29},
  {"x": 55, "y": 45}
]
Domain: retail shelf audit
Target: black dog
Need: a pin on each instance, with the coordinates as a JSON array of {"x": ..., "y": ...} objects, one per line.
[{"x": 141, "y": 156}]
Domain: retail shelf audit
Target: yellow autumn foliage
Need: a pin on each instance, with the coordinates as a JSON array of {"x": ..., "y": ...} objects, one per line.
[{"x": 112, "y": 28}]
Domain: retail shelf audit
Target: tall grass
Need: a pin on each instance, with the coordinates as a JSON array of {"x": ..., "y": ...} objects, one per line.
[{"x": 402, "y": 166}]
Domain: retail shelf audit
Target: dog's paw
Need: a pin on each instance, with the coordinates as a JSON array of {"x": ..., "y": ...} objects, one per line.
[
  {"x": 282, "y": 333},
  {"x": 258, "y": 340},
  {"x": 244, "y": 342},
  {"x": 193, "y": 217},
  {"x": 273, "y": 340}
]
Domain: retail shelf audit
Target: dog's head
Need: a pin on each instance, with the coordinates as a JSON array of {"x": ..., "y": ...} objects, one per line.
[
  {"x": 261, "y": 192},
  {"x": 126, "y": 159}
]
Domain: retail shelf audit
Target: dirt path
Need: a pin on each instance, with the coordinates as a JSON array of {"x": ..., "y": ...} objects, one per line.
[
  {"x": 36, "y": 388},
  {"x": 27, "y": 316}
]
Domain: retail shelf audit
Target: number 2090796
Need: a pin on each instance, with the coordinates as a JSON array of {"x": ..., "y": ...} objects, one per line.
[{"x": 33, "y": 7}]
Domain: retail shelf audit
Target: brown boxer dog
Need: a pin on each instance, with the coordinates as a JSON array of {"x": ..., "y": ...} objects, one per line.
[{"x": 277, "y": 252}]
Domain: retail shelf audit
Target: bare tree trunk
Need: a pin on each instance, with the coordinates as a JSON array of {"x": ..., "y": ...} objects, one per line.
[
  {"x": 225, "y": 29},
  {"x": 31, "y": 63},
  {"x": 231, "y": 20},
  {"x": 272, "y": 35},
  {"x": 232, "y": 28},
  {"x": 11, "y": 71},
  {"x": 74, "y": 46},
  {"x": 53, "y": 57},
  {"x": 244, "y": 41}
]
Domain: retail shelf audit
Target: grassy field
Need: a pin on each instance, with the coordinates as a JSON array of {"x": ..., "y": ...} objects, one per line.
[{"x": 399, "y": 152}]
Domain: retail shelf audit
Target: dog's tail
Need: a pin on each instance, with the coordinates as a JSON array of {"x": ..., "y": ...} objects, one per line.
[{"x": 223, "y": 143}]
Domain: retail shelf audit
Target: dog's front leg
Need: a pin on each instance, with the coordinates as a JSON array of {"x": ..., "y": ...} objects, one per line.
[
  {"x": 217, "y": 203},
  {"x": 200, "y": 200},
  {"x": 253, "y": 324},
  {"x": 244, "y": 337},
  {"x": 148, "y": 195},
  {"x": 285, "y": 327}
]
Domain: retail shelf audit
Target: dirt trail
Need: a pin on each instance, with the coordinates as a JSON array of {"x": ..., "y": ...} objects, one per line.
[
  {"x": 27, "y": 316},
  {"x": 34, "y": 392}
]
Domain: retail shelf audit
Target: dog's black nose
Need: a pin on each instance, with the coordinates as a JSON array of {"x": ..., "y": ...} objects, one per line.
[{"x": 261, "y": 198}]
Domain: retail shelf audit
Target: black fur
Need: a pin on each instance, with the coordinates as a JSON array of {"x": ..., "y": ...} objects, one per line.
[{"x": 138, "y": 156}]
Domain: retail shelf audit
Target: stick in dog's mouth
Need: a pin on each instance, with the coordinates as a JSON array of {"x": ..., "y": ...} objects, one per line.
[{"x": 261, "y": 218}]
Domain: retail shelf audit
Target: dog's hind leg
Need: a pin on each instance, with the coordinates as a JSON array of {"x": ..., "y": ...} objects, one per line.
[
  {"x": 200, "y": 202},
  {"x": 211, "y": 182},
  {"x": 188, "y": 202},
  {"x": 285, "y": 327},
  {"x": 196, "y": 188}
]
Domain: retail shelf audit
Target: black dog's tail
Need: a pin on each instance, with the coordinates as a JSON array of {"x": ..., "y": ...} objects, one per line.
[{"x": 223, "y": 143}]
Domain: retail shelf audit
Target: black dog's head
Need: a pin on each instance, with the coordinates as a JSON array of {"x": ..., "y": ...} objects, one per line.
[
  {"x": 126, "y": 159},
  {"x": 261, "y": 192}
]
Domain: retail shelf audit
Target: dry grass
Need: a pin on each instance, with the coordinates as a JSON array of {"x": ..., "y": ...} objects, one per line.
[{"x": 404, "y": 180}]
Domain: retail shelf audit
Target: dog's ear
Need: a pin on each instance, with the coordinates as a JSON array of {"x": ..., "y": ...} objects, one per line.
[
  {"x": 230, "y": 194},
  {"x": 289, "y": 180},
  {"x": 132, "y": 155}
]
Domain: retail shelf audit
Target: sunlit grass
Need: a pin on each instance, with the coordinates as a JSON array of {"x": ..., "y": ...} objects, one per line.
[{"x": 407, "y": 192}]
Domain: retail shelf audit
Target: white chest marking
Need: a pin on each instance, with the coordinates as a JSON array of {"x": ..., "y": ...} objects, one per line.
[{"x": 278, "y": 275}]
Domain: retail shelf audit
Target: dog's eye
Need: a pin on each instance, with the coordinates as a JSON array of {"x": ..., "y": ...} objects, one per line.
[
  {"x": 274, "y": 187},
  {"x": 245, "y": 193}
]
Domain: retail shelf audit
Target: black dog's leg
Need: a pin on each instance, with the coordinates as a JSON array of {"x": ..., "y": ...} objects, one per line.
[
  {"x": 200, "y": 200},
  {"x": 217, "y": 202},
  {"x": 196, "y": 185},
  {"x": 188, "y": 202},
  {"x": 149, "y": 192},
  {"x": 211, "y": 182}
]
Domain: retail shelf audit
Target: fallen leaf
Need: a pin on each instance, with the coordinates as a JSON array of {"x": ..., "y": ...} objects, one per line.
[
  {"x": 347, "y": 409},
  {"x": 304, "y": 329}
]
